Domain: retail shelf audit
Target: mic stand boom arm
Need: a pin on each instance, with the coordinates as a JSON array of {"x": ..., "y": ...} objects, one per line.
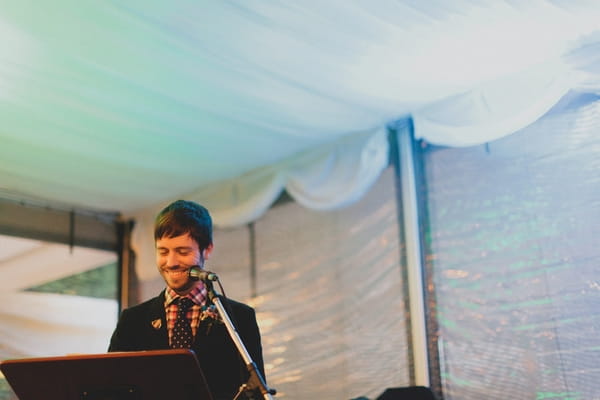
[{"x": 255, "y": 381}]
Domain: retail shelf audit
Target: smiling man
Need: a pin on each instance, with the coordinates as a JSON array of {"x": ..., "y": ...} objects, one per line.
[{"x": 182, "y": 316}]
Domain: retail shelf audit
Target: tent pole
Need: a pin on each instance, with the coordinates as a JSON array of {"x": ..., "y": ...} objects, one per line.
[
  {"x": 410, "y": 221},
  {"x": 125, "y": 264}
]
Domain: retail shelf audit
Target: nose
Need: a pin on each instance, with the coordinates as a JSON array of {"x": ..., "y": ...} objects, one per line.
[{"x": 172, "y": 259}]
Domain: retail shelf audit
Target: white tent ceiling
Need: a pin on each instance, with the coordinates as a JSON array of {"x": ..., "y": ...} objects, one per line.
[{"x": 122, "y": 106}]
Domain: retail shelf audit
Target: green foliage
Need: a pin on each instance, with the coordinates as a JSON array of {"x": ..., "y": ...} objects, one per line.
[
  {"x": 101, "y": 282},
  {"x": 5, "y": 392}
]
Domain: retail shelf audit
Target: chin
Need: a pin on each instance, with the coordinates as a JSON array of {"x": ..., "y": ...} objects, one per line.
[{"x": 182, "y": 287}]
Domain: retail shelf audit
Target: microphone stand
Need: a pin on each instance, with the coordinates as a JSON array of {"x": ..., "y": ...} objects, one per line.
[{"x": 255, "y": 381}]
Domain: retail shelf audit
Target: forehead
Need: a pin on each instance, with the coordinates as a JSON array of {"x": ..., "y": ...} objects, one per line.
[{"x": 184, "y": 240}]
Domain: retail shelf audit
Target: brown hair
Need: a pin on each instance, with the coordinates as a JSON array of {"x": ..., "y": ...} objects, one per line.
[{"x": 181, "y": 217}]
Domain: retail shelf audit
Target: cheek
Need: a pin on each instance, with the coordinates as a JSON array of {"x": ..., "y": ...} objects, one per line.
[
  {"x": 161, "y": 259},
  {"x": 192, "y": 259}
]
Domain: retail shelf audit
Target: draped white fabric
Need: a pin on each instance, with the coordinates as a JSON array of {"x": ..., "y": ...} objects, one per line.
[
  {"x": 127, "y": 106},
  {"x": 325, "y": 179},
  {"x": 497, "y": 108}
]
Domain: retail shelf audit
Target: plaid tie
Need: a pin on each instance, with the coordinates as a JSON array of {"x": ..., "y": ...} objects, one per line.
[{"x": 182, "y": 331}]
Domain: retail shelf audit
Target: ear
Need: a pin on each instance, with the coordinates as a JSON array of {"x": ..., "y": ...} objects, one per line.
[{"x": 207, "y": 252}]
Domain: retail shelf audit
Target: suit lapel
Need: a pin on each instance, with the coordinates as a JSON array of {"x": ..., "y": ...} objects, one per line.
[{"x": 156, "y": 321}]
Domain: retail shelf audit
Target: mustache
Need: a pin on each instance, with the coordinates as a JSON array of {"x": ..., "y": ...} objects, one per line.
[{"x": 175, "y": 268}]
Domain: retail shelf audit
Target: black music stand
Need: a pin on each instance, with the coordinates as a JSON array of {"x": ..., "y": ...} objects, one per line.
[{"x": 138, "y": 375}]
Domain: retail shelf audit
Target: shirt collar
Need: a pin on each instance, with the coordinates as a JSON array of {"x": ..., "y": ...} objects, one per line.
[{"x": 197, "y": 294}]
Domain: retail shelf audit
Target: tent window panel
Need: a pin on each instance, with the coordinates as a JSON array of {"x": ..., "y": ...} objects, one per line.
[
  {"x": 512, "y": 243},
  {"x": 231, "y": 260},
  {"x": 101, "y": 282},
  {"x": 54, "y": 300},
  {"x": 330, "y": 297}
]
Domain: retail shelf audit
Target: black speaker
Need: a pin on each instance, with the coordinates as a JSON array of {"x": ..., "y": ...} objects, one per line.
[{"x": 407, "y": 393}]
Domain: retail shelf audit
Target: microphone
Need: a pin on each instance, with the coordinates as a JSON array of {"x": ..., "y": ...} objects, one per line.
[{"x": 198, "y": 274}]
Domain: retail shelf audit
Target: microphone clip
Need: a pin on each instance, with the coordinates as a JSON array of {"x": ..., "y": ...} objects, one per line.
[{"x": 196, "y": 273}]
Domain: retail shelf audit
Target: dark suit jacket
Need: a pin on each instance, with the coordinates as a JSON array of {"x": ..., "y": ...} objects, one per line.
[{"x": 138, "y": 329}]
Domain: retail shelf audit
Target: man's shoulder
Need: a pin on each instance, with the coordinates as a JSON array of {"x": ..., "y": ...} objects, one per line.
[
  {"x": 150, "y": 303},
  {"x": 238, "y": 306}
]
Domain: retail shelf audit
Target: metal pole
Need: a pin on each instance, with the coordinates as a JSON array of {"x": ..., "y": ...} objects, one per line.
[
  {"x": 124, "y": 261},
  {"x": 410, "y": 214}
]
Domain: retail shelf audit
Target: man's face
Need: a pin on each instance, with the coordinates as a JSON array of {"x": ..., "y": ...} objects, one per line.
[{"x": 174, "y": 257}]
